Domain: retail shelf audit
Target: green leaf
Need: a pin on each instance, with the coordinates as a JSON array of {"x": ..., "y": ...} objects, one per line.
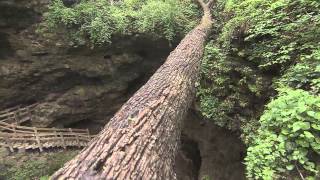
[
  {"x": 302, "y": 143},
  {"x": 315, "y": 126},
  {"x": 300, "y": 125},
  {"x": 311, "y": 113},
  {"x": 308, "y": 135},
  {"x": 290, "y": 167}
]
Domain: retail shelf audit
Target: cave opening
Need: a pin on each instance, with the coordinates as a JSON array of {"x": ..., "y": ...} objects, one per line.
[
  {"x": 92, "y": 126},
  {"x": 5, "y": 47},
  {"x": 188, "y": 159}
]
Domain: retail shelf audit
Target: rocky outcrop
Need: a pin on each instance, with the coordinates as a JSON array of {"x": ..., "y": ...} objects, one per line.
[
  {"x": 71, "y": 84},
  {"x": 209, "y": 152}
]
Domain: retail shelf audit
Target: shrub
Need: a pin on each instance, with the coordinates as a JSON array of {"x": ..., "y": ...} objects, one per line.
[
  {"x": 287, "y": 138},
  {"x": 96, "y": 21}
]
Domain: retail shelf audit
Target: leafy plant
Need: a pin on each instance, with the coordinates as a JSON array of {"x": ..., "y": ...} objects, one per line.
[
  {"x": 97, "y": 21},
  {"x": 287, "y": 138},
  {"x": 274, "y": 33},
  {"x": 228, "y": 85},
  {"x": 304, "y": 75}
]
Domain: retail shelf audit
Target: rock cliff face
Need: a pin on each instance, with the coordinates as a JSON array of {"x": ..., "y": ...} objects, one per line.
[
  {"x": 72, "y": 84},
  {"x": 209, "y": 152}
]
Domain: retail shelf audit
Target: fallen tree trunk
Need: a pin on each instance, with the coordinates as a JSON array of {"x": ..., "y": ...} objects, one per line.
[{"x": 141, "y": 140}]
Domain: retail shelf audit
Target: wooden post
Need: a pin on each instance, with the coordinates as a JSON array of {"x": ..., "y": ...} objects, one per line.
[
  {"x": 29, "y": 113},
  {"x": 88, "y": 133},
  {"x": 77, "y": 137},
  {"x": 8, "y": 140},
  {"x": 56, "y": 140},
  {"x": 55, "y": 132},
  {"x": 15, "y": 117},
  {"x": 62, "y": 140},
  {"x": 38, "y": 139}
]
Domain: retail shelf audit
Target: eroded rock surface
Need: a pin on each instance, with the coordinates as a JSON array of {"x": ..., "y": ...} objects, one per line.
[
  {"x": 71, "y": 84},
  {"x": 209, "y": 152}
]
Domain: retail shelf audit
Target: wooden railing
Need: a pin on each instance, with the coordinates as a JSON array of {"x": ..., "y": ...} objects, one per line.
[
  {"x": 22, "y": 137},
  {"x": 17, "y": 114}
]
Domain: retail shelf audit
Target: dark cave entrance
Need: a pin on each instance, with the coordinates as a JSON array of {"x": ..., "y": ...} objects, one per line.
[
  {"x": 188, "y": 159},
  {"x": 93, "y": 127},
  {"x": 5, "y": 47}
]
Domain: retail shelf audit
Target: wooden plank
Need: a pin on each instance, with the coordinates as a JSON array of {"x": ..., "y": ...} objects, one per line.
[
  {"x": 17, "y": 107},
  {"x": 64, "y": 134},
  {"x": 16, "y": 110},
  {"x": 41, "y": 129},
  {"x": 10, "y": 109},
  {"x": 52, "y": 138},
  {"x": 24, "y": 135},
  {"x": 22, "y": 139},
  {"x": 7, "y": 114}
]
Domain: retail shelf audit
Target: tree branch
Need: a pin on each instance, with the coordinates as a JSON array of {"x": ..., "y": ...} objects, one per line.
[
  {"x": 210, "y": 3},
  {"x": 206, "y": 6},
  {"x": 202, "y": 4}
]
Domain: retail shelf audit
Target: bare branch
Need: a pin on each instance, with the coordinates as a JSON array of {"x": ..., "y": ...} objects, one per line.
[
  {"x": 206, "y": 6},
  {"x": 299, "y": 172},
  {"x": 202, "y": 4},
  {"x": 210, "y": 3}
]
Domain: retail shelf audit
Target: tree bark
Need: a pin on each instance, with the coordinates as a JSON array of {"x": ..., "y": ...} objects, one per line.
[{"x": 141, "y": 140}]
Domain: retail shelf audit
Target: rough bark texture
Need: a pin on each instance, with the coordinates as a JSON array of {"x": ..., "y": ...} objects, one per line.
[{"x": 141, "y": 140}]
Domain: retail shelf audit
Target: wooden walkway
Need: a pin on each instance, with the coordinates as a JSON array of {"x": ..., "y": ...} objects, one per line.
[
  {"x": 14, "y": 136},
  {"x": 17, "y": 114}
]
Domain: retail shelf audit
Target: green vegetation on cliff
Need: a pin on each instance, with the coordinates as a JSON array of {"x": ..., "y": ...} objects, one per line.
[
  {"x": 265, "y": 47},
  {"x": 97, "y": 21}
]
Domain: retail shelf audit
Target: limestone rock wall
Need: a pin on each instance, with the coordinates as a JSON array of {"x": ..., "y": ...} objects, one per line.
[
  {"x": 71, "y": 84},
  {"x": 209, "y": 152}
]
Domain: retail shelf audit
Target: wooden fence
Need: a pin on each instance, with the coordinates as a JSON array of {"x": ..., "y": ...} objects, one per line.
[
  {"x": 22, "y": 137},
  {"x": 17, "y": 114}
]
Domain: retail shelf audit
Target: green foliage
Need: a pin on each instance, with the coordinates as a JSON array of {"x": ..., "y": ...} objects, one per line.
[
  {"x": 210, "y": 106},
  {"x": 287, "y": 138},
  {"x": 304, "y": 75},
  {"x": 275, "y": 32},
  {"x": 29, "y": 170},
  {"x": 98, "y": 20},
  {"x": 263, "y": 42},
  {"x": 38, "y": 168},
  {"x": 227, "y": 86}
]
